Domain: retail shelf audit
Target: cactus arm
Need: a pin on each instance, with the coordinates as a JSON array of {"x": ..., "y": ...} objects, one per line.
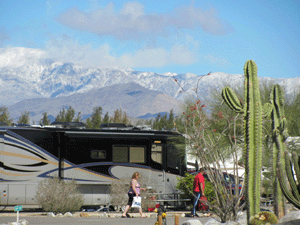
[
  {"x": 290, "y": 176},
  {"x": 267, "y": 109},
  {"x": 295, "y": 159},
  {"x": 279, "y": 136},
  {"x": 232, "y": 100},
  {"x": 284, "y": 187},
  {"x": 283, "y": 129},
  {"x": 280, "y": 95}
]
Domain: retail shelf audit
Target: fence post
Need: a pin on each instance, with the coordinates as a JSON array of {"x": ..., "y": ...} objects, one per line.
[
  {"x": 176, "y": 219},
  {"x": 160, "y": 220}
]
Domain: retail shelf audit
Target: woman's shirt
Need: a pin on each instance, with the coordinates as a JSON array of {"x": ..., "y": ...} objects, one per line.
[{"x": 137, "y": 188}]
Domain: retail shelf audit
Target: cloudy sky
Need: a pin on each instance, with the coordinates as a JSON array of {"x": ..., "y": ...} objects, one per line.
[{"x": 177, "y": 36}]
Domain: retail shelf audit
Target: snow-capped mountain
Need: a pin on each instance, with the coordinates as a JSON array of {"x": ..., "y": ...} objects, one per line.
[{"x": 28, "y": 73}]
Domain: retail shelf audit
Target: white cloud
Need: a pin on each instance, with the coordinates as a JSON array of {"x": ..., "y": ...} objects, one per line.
[
  {"x": 133, "y": 23},
  {"x": 191, "y": 17},
  {"x": 68, "y": 50}
]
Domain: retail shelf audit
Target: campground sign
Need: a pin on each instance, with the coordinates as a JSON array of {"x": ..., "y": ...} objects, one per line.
[{"x": 18, "y": 208}]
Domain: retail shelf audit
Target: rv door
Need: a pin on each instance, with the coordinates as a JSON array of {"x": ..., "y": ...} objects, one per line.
[{"x": 157, "y": 155}]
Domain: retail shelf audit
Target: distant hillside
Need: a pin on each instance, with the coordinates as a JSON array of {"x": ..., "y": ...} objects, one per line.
[{"x": 132, "y": 98}]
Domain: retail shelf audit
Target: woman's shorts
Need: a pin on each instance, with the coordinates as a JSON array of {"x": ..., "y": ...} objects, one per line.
[{"x": 130, "y": 198}]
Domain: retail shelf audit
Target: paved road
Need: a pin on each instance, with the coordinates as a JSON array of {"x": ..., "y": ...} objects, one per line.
[{"x": 43, "y": 220}]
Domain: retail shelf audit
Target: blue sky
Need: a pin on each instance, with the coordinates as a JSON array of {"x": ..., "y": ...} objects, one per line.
[{"x": 175, "y": 36}]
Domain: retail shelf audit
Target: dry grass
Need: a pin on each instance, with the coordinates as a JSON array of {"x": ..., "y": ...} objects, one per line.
[{"x": 119, "y": 194}]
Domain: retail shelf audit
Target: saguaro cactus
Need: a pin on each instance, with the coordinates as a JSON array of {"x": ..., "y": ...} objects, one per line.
[
  {"x": 252, "y": 111},
  {"x": 293, "y": 195},
  {"x": 279, "y": 136}
]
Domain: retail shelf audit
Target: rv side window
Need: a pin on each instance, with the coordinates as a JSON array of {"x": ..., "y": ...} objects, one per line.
[
  {"x": 156, "y": 153},
  {"x": 137, "y": 154},
  {"x": 98, "y": 154},
  {"x": 120, "y": 154},
  {"x": 130, "y": 154}
]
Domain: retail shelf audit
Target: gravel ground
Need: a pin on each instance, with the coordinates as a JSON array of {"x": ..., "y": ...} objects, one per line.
[{"x": 112, "y": 219}]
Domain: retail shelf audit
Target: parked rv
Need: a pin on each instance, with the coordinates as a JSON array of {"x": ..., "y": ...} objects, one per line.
[{"x": 94, "y": 158}]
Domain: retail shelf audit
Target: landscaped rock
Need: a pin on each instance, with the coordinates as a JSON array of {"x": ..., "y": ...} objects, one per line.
[
  {"x": 51, "y": 214},
  {"x": 212, "y": 221},
  {"x": 68, "y": 214},
  {"x": 192, "y": 222},
  {"x": 290, "y": 217},
  {"x": 84, "y": 214},
  {"x": 242, "y": 218},
  {"x": 23, "y": 222},
  {"x": 59, "y": 215}
]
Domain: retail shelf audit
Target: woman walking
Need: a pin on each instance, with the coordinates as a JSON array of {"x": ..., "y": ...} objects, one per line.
[{"x": 134, "y": 190}]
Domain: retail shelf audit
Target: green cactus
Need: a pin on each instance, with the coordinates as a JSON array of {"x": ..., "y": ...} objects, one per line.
[
  {"x": 232, "y": 100},
  {"x": 252, "y": 110},
  {"x": 263, "y": 218},
  {"x": 279, "y": 135},
  {"x": 293, "y": 195}
]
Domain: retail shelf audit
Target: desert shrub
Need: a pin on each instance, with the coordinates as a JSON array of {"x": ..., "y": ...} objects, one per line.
[
  {"x": 119, "y": 197},
  {"x": 58, "y": 196},
  {"x": 118, "y": 192}
]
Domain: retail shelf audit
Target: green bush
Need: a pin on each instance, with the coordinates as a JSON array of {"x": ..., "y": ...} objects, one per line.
[
  {"x": 185, "y": 184},
  {"x": 209, "y": 191},
  {"x": 58, "y": 196}
]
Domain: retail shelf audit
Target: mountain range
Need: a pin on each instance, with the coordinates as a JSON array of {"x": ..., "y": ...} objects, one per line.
[
  {"x": 32, "y": 82},
  {"x": 132, "y": 98}
]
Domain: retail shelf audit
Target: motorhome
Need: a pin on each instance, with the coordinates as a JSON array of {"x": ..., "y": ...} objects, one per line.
[{"x": 94, "y": 158}]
